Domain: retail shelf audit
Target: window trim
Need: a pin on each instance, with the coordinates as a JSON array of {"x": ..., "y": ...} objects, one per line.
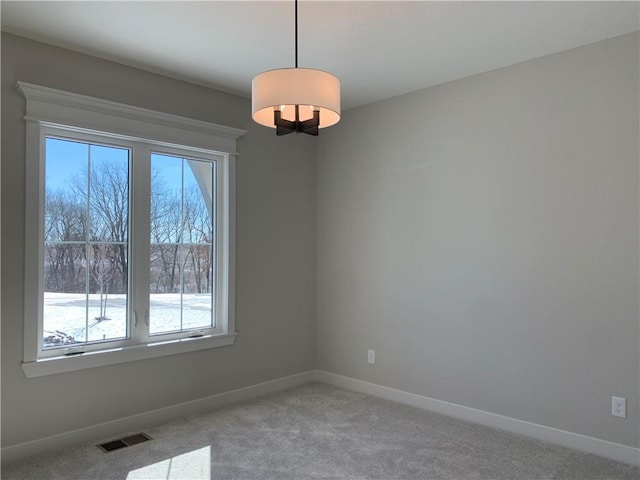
[{"x": 47, "y": 107}]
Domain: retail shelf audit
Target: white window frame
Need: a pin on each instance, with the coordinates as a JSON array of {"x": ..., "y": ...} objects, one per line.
[{"x": 51, "y": 112}]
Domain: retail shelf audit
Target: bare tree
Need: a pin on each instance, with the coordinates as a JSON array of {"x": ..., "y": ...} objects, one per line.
[
  {"x": 104, "y": 269},
  {"x": 109, "y": 212},
  {"x": 199, "y": 235},
  {"x": 86, "y": 227},
  {"x": 166, "y": 235},
  {"x": 65, "y": 222}
]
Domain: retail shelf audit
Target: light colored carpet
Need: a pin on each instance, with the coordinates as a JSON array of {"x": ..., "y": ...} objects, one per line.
[{"x": 319, "y": 431}]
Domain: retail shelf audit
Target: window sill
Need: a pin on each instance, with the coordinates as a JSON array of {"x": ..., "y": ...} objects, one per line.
[{"x": 53, "y": 365}]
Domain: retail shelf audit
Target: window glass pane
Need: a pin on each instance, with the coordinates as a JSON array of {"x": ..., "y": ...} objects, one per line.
[
  {"x": 65, "y": 299},
  {"x": 109, "y": 194},
  {"x": 165, "y": 297},
  {"x": 197, "y": 301},
  {"x": 108, "y": 282},
  {"x": 65, "y": 190},
  {"x": 198, "y": 190},
  {"x": 182, "y": 244},
  {"x": 166, "y": 198},
  {"x": 85, "y": 279}
]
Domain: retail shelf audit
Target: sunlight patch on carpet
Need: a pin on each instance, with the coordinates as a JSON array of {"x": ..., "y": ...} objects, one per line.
[{"x": 194, "y": 465}]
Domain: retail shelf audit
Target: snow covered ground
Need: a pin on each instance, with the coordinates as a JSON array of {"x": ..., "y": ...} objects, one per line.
[{"x": 69, "y": 315}]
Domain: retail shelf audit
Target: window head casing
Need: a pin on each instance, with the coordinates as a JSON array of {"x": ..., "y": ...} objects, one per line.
[{"x": 170, "y": 284}]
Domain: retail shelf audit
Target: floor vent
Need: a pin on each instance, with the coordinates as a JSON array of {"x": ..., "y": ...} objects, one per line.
[{"x": 124, "y": 442}]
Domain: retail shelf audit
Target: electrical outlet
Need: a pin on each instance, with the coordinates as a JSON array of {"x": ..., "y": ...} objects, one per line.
[
  {"x": 619, "y": 407},
  {"x": 371, "y": 356}
]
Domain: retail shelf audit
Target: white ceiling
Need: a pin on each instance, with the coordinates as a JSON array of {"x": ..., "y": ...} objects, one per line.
[{"x": 377, "y": 49}]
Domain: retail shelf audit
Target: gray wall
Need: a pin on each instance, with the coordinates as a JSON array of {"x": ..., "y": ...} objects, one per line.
[
  {"x": 482, "y": 237},
  {"x": 275, "y": 255}
]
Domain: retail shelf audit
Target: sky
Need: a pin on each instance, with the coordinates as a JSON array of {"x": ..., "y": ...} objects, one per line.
[{"x": 66, "y": 159}]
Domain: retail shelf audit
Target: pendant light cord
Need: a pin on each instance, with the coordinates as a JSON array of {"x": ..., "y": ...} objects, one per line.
[{"x": 296, "y": 33}]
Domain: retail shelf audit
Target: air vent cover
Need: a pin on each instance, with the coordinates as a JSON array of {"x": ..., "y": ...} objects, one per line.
[{"x": 124, "y": 442}]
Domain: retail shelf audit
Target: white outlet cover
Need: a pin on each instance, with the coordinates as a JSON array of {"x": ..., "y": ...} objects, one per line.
[
  {"x": 619, "y": 407},
  {"x": 371, "y": 356}
]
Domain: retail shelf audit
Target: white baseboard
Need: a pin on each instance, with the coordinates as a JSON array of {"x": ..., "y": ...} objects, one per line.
[
  {"x": 604, "y": 448},
  {"x": 130, "y": 424}
]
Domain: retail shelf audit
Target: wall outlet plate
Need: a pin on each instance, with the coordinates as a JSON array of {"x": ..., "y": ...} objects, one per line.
[
  {"x": 619, "y": 407},
  {"x": 371, "y": 356}
]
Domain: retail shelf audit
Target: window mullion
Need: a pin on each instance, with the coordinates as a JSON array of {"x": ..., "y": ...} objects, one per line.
[
  {"x": 87, "y": 246},
  {"x": 181, "y": 243},
  {"x": 140, "y": 233}
]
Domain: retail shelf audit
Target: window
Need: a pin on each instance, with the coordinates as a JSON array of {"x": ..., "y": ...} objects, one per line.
[
  {"x": 86, "y": 261},
  {"x": 182, "y": 256},
  {"x": 130, "y": 233}
]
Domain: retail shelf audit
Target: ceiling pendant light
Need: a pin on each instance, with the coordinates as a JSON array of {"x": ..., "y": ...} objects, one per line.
[{"x": 295, "y": 100}]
